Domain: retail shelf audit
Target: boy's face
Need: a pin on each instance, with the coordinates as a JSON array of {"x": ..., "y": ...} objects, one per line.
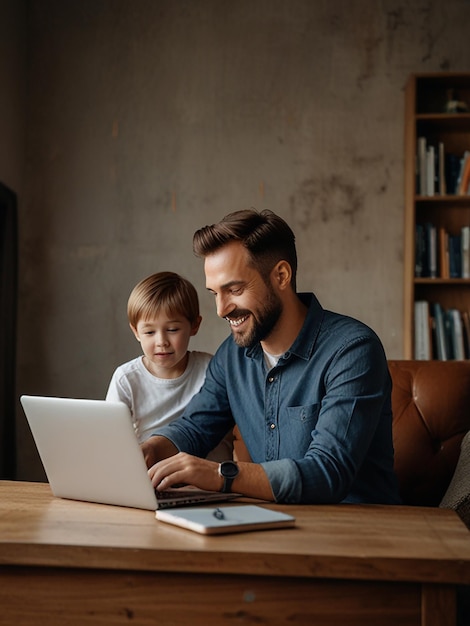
[{"x": 164, "y": 340}]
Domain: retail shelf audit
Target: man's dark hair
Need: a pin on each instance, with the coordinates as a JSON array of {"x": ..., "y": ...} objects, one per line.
[{"x": 266, "y": 236}]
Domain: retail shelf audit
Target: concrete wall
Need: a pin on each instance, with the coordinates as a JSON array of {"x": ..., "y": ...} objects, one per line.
[{"x": 148, "y": 119}]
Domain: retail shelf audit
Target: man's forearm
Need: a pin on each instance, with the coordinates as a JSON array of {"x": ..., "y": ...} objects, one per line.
[{"x": 252, "y": 481}]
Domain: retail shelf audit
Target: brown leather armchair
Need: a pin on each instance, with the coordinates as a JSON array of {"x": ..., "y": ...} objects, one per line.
[{"x": 431, "y": 415}]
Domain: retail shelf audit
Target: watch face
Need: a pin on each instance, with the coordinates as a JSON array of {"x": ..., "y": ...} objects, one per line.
[{"x": 229, "y": 469}]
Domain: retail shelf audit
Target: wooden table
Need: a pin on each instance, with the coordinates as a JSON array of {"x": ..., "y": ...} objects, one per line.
[{"x": 65, "y": 562}]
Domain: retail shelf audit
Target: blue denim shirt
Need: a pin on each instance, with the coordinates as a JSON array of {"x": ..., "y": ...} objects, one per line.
[{"x": 320, "y": 422}]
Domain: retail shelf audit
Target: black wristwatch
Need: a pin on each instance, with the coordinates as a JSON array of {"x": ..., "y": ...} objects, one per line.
[{"x": 229, "y": 471}]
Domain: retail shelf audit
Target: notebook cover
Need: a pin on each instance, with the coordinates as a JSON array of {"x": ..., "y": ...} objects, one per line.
[{"x": 228, "y": 519}]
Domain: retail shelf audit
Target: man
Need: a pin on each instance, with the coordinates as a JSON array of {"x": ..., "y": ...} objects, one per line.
[{"x": 308, "y": 389}]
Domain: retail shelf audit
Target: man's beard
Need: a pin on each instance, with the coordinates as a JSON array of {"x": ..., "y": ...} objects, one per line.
[{"x": 262, "y": 325}]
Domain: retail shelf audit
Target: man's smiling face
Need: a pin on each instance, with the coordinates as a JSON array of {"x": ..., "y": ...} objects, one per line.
[{"x": 251, "y": 307}]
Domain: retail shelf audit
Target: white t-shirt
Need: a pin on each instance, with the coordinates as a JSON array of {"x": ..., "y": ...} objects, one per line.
[
  {"x": 156, "y": 401},
  {"x": 271, "y": 360}
]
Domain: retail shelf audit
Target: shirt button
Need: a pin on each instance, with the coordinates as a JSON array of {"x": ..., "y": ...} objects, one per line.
[
  {"x": 271, "y": 379},
  {"x": 272, "y": 426}
]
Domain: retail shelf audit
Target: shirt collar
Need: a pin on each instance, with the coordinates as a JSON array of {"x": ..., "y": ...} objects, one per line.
[{"x": 305, "y": 341}]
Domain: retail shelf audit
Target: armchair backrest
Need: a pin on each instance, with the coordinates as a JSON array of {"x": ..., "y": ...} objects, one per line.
[{"x": 431, "y": 415}]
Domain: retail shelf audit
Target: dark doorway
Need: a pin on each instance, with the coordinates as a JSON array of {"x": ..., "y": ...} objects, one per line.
[{"x": 8, "y": 308}]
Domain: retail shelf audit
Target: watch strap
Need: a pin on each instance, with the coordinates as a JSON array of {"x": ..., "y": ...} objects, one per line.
[{"x": 227, "y": 487}]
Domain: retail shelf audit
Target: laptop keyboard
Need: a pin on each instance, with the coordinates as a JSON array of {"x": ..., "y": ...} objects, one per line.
[{"x": 180, "y": 493}]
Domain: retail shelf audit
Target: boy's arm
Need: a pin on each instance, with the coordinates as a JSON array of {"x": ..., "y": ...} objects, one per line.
[{"x": 157, "y": 448}]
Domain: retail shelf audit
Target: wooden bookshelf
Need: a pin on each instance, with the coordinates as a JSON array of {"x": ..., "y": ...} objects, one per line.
[{"x": 426, "y": 115}]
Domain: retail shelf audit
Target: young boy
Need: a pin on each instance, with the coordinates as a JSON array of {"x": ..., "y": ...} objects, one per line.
[{"x": 163, "y": 313}]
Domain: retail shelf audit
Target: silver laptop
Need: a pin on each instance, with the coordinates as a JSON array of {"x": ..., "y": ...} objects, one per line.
[{"x": 90, "y": 452}]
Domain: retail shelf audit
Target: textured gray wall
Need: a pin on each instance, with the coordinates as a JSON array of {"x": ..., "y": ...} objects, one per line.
[{"x": 148, "y": 119}]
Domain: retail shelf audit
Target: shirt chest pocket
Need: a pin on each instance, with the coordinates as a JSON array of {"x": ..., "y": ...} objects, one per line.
[{"x": 306, "y": 415}]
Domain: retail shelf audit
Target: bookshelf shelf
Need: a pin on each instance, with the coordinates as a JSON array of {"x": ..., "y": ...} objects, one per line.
[
  {"x": 463, "y": 201},
  {"x": 451, "y": 282},
  {"x": 457, "y": 122},
  {"x": 436, "y": 211},
  {"x": 444, "y": 118}
]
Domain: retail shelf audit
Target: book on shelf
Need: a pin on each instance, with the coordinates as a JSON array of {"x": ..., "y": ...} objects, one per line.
[
  {"x": 426, "y": 251},
  {"x": 453, "y": 165},
  {"x": 430, "y": 168},
  {"x": 463, "y": 180},
  {"x": 430, "y": 172},
  {"x": 452, "y": 170},
  {"x": 439, "y": 332},
  {"x": 423, "y": 344},
  {"x": 455, "y": 256},
  {"x": 440, "y": 254},
  {"x": 442, "y": 334},
  {"x": 422, "y": 166},
  {"x": 441, "y": 176},
  {"x": 420, "y": 251},
  {"x": 466, "y": 332},
  {"x": 456, "y": 334},
  {"x": 439, "y": 172},
  {"x": 444, "y": 260},
  {"x": 465, "y": 251},
  {"x": 431, "y": 245}
]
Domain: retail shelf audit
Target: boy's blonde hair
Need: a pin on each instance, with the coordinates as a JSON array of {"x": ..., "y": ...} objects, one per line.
[{"x": 164, "y": 291}]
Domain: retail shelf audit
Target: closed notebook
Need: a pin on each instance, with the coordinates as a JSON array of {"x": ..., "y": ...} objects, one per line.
[{"x": 231, "y": 519}]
